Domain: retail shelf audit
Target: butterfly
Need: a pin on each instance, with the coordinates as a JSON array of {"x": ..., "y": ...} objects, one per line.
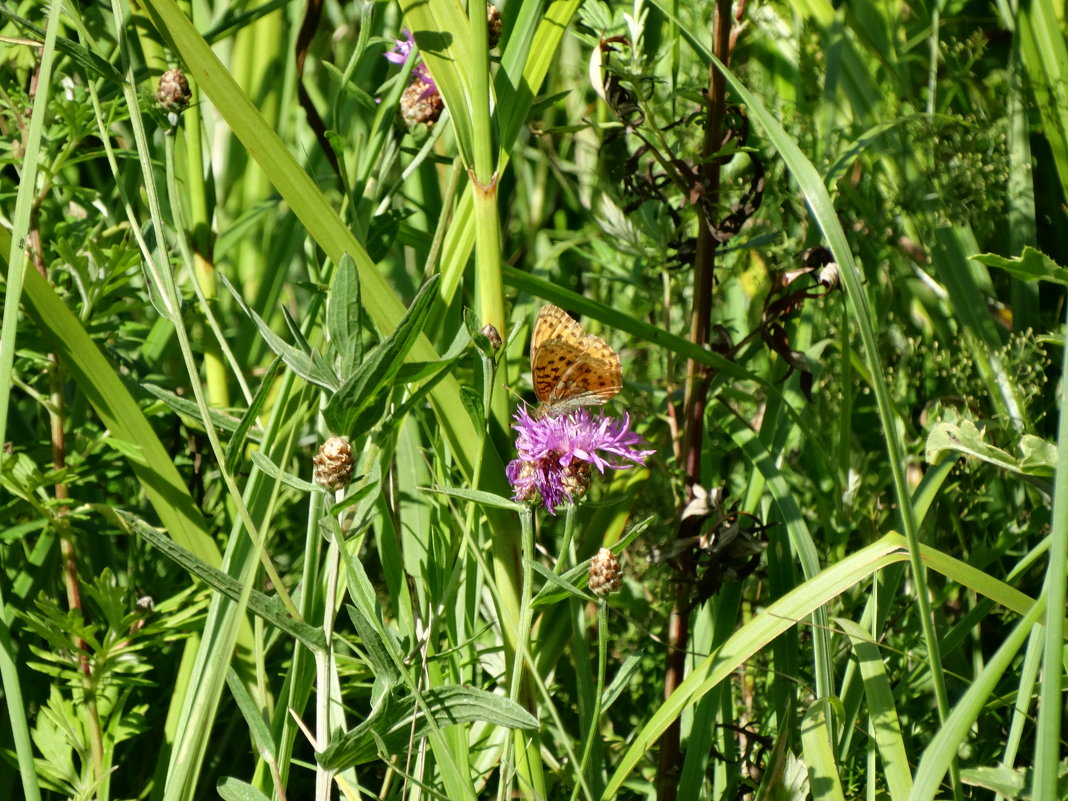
[{"x": 570, "y": 368}]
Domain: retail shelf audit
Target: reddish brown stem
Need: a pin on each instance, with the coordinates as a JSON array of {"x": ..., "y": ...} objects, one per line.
[{"x": 697, "y": 382}]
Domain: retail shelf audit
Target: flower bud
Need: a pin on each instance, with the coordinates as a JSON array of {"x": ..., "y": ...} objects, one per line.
[
  {"x": 333, "y": 464},
  {"x": 490, "y": 332},
  {"x": 173, "y": 93},
  {"x": 605, "y": 573}
]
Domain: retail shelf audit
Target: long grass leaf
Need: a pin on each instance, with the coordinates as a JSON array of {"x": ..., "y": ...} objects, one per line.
[
  {"x": 819, "y": 202},
  {"x": 1045, "y": 59},
  {"x": 754, "y": 635},
  {"x": 882, "y": 710},
  {"x": 942, "y": 749},
  {"x": 313, "y": 210},
  {"x": 816, "y": 740},
  {"x": 1051, "y": 699}
]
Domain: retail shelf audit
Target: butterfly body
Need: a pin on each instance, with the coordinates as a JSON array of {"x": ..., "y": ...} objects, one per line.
[{"x": 570, "y": 368}]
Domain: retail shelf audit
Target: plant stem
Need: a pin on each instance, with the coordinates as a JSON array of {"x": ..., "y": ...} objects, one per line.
[
  {"x": 526, "y": 519},
  {"x": 324, "y": 664},
  {"x": 697, "y": 382},
  {"x": 595, "y": 718}
]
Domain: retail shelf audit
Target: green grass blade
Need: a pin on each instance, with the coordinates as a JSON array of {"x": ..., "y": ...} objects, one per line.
[
  {"x": 882, "y": 710},
  {"x": 318, "y": 216},
  {"x": 942, "y": 749},
  {"x": 819, "y": 203},
  {"x": 1045, "y": 59},
  {"x": 119, "y": 412},
  {"x": 530, "y": 51},
  {"x": 754, "y": 635},
  {"x": 441, "y": 29},
  {"x": 816, "y": 740},
  {"x": 1051, "y": 699},
  {"x": 17, "y": 262}
]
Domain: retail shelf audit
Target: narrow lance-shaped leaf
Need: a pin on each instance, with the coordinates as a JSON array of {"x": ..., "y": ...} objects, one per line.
[
  {"x": 394, "y": 730},
  {"x": 270, "y": 609},
  {"x": 359, "y": 403}
]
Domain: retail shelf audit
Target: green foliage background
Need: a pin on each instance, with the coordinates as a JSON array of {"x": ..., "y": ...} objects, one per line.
[{"x": 194, "y": 302}]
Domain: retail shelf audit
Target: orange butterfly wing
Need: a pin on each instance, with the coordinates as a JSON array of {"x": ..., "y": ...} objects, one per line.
[{"x": 570, "y": 368}]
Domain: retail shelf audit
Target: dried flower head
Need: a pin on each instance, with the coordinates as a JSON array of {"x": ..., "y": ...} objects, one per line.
[
  {"x": 333, "y": 464},
  {"x": 605, "y": 574},
  {"x": 493, "y": 25},
  {"x": 173, "y": 93},
  {"x": 555, "y": 454},
  {"x": 421, "y": 102}
]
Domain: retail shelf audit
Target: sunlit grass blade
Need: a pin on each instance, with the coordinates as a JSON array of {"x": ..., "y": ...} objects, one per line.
[
  {"x": 754, "y": 635},
  {"x": 882, "y": 711},
  {"x": 321, "y": 220},
  {"x": 819, "y": 202},
  {"x": 524, "y": 65},
  {"x": 1047, "y": 761},
  {"x": 817, "y": 743},
  {"x": 942, "y": 749},
  {"x": 1045, "y": 59},
  {"x": 800, "y": 538}
]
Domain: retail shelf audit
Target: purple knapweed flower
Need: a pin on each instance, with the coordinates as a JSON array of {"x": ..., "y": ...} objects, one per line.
[
  {"x": 421, "y": 86},
  {"x": 556, "y": 454},
  {"x": 402, "y": 48}
]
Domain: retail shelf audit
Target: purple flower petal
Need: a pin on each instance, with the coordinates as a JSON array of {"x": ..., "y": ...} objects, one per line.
[
  {"x": 555, "y": 454},
  {"x": 402, "y": 48}
]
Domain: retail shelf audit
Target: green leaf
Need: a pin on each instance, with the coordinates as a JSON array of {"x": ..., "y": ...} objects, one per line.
[
  {"x": 403, "y": 722},
  {"x": 251, "y": 416},
  {"x": 253, "y": 715},
  {"x": 300, "y": 362},
  {"x": 1039, "y": 458},
  {"x": 378, "y": 654},
  {"x": 264, "y": 463},
  {"x": 622, "y": 680},
  {"x": 753, "y": 636},
  {"x": 93, "y": 64},
  {"x": 1032, "y": 265},
  {"x": 190, "y": 410},
  {"x": 231, "y": 789},
  {"x": 817, "y": 740},
  {"x": 1045, "y": 58},
  {"x": 344, "y": 315},
  {"x": 957, "y": 728},
  {"x": 270, "y": 609},
  {"x": 441, "y": 29},
  {"x": 785, "y": 776},
  {"x": 119, "y": 412},
  {"x": 477, "y": 496},
  {"x": 360, "y": 402},
  {"x": 557, "y": 588},
  {"x": 882, "y": 711},
  {"x": 1007, "y": 782}
]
